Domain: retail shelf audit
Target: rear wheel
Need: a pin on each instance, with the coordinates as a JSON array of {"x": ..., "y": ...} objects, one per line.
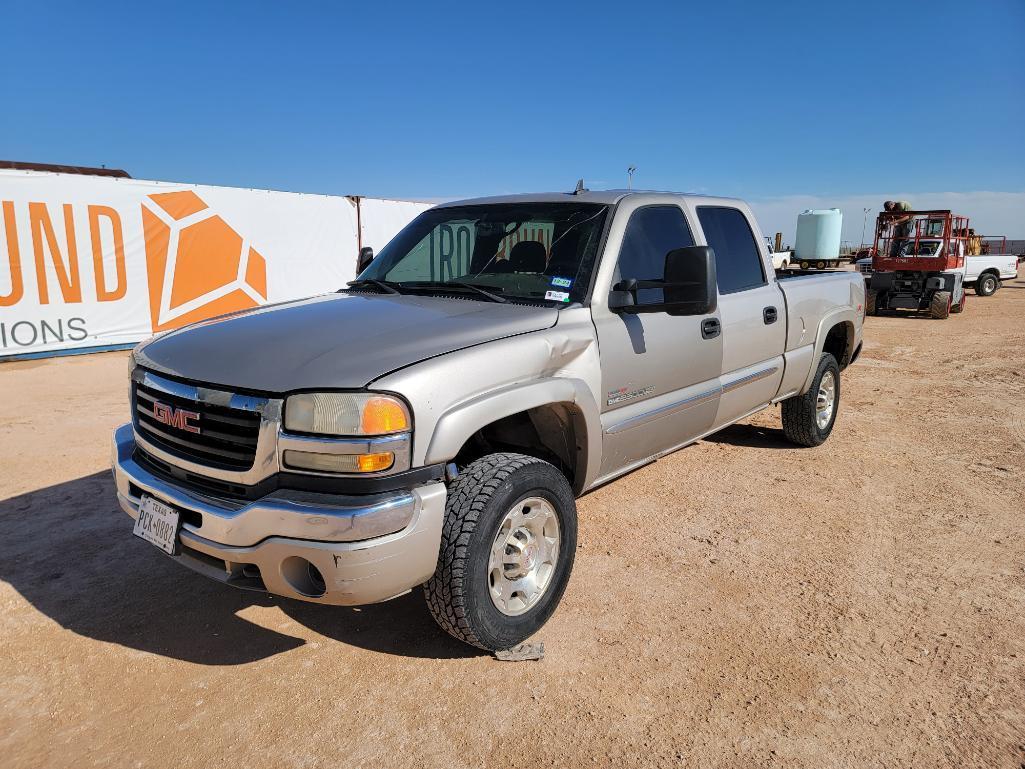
[
  {"x": 820, "y": 265},
  {"x": 870, "y": 301},
  {"x": 939, "y": 305},
  {"x": 986, "y": 285},
  {"x": 808, "y": 419},
  {"x": 959, "y": 307},
  {"x": 805, "y": 265},
  {"x": 507, "y": 550}
]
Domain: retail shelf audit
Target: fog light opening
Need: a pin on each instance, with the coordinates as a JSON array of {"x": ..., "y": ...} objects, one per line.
[
  {"x": 303, "y": 577},
  {"x": 316, "y": 578}
]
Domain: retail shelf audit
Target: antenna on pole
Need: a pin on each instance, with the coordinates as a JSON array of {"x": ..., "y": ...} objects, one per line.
[
  {"x": 580, "y": 187},
  {"x": 630, "y": 177}
]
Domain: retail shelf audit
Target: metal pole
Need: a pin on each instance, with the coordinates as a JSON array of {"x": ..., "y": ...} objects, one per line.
[
  {"x": 864, "y": 221},
  {"x": 630, "y": 177}
]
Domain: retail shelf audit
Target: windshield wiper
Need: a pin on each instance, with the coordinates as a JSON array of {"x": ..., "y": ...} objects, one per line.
[
  {"x": 384, "y": 286},
  {"x": 448, "y": 285}
]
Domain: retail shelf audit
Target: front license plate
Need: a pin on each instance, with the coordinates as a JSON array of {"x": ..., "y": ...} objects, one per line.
[{"x": 157, "y": 523}]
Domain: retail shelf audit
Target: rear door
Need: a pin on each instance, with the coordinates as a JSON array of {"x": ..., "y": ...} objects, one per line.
[
  {"x": 659, "y": 372},
  {"x": 752, "y": 312}
]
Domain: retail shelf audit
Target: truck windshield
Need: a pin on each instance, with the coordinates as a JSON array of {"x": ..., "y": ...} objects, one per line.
[{"x": 541, "y": 252}]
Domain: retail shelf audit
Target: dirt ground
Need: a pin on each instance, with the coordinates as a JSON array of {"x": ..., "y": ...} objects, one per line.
[{"x": 739, "y": 603}]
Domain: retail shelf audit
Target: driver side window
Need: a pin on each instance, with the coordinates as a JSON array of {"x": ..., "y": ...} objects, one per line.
[{"x": 651, "y": 233}]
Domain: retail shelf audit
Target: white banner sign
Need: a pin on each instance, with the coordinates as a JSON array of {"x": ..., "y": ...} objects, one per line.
[{"x": 91, "y": 261}]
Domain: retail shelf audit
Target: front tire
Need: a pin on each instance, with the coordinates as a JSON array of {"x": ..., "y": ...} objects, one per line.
[
  {"x": 986, "y": 285},
  {"x": 939, "y": 305},
  {"x": 808, "y": 419},
  {"x": 507, "y": 548}
]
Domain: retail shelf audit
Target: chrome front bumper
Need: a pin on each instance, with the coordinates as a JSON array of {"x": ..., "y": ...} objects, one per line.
[{"x": 364, "y": 548}]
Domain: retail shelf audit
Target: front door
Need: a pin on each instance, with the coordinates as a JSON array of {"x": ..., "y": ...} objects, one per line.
[{"x": 660, "y": 373}]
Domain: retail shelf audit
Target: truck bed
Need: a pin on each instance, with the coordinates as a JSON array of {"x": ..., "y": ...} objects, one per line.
[{"x": 810, "y": 297}]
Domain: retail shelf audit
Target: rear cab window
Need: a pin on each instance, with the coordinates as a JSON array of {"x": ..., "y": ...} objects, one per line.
[{"x": 739, "y": 265}]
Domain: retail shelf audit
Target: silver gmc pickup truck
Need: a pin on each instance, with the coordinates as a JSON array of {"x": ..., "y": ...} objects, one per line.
[{"x": 433, "y": 422}]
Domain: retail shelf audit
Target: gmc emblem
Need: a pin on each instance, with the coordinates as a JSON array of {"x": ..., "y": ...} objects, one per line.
[{"x": 172, "y": 417}]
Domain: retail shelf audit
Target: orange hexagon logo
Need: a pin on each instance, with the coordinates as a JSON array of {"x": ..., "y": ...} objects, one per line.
[{"x": 197, "y": 266}]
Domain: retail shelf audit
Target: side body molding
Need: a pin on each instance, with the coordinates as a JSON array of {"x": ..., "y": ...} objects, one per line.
[{"x": 457, "y": 424}]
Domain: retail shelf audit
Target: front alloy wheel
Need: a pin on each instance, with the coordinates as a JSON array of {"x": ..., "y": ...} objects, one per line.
[
  {"x": 524, "y": 556},
  {"x": 507, "y": 548}
]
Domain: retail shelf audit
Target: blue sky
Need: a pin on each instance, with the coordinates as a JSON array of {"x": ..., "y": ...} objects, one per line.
[{"x": 436, "y": 100}]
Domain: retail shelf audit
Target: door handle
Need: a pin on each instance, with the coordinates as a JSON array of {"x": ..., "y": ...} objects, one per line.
[
  {"x": 710, "y": 328},
  {"x": 769, "y": 315}
]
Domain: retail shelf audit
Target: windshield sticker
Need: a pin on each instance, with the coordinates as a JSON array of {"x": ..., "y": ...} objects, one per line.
[
  {"x": 562, "y": 282},
  {"x": 558, "y": 296}
]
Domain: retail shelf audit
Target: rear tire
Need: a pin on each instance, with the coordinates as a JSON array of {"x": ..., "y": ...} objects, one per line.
[
  {"x": 987, "y": 284},
  {"x": 820, "y": 265},
  {"x": 870, "y": 301},
  {"x": 808, "y": 419},
  {"x": 939, "y": 305},
  {"x": 959, "y": 307},
  {"x": 495, "y": 493},
  {"x": 804, "y": 265}
]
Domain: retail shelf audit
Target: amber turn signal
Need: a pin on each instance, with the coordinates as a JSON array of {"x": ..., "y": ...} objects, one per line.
[
  {"x": 340, "y": 463},
  {"x": 375, "y": 463},
  {"x": 382, "y": 416}
]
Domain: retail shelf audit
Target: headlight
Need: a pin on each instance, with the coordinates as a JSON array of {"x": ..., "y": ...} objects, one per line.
[{"x": 346, "y": 414}]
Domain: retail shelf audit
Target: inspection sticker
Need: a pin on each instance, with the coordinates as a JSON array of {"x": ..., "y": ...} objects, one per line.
[
  {"x": 558, "y": 296},
  {"x": 562, "y": 282}
]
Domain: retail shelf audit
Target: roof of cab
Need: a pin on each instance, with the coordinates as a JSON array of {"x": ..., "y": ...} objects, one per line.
[{"x": 604, "y": 197}]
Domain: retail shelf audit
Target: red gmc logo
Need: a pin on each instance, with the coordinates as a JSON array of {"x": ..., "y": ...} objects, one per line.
[{"x": 179, "y": 418}]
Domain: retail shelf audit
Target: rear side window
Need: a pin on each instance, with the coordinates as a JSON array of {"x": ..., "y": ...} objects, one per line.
[
  {"x": 738, "y": 261},
  {"x": 651, "y": 233}
]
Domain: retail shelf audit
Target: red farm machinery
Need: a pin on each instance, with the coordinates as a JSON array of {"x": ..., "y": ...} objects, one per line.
[{"x": 918, "y": 262}]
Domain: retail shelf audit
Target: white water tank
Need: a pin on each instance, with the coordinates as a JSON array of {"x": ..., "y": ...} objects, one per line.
[{"x": 818, "y": 234}]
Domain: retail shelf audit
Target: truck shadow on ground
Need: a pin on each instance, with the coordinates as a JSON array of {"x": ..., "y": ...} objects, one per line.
[
  {"x": 68, "y": 550},
  {"x": 751, "y": 436}
]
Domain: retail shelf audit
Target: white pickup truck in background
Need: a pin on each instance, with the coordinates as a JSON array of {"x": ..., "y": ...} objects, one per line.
[
  {"x": 986, "y": 271},
  {"x": 780, "y": 259}
]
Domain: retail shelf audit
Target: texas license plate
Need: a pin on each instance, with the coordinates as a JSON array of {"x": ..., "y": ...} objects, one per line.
[{"x": 157, "y": 523}]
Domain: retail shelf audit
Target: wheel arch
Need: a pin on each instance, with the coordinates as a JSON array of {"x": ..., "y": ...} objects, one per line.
[
  {"x": 553, "y": 419},
  {"x": 994, "y": 271},
  {"x": 837, "y": 335}
]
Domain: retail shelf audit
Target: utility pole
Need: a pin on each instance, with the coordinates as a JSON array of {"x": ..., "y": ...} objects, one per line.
[
  {"x": 630, "y": 177},
  {"x": 864, "y": 221}
]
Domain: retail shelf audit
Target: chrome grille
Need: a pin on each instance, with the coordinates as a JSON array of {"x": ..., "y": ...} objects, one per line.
[{"x": 227, "y": 437}]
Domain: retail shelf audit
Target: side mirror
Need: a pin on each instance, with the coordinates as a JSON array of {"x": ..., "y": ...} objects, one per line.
[
  {"x": 690, "y": 278},
  {"x": 366, "y": 256},
  {"x": 689, "y": 287}
]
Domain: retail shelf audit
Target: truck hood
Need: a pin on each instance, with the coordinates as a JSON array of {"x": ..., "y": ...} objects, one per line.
[{"x": 332, "y": 341}]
